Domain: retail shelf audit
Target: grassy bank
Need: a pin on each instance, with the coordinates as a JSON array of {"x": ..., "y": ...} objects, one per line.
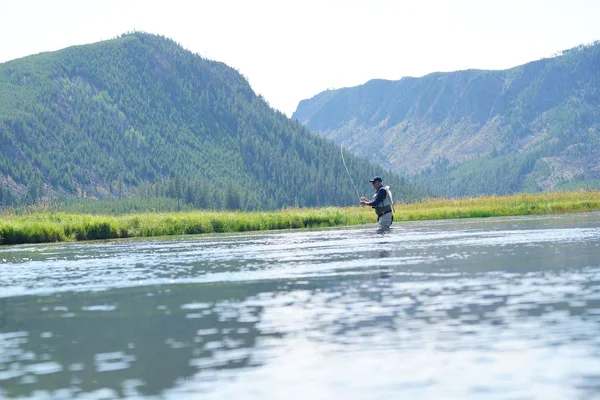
[
  {"x": 52, "y": 227},
  {"x": 43, "y": 226},
  {"x": 500, "y": 206}
]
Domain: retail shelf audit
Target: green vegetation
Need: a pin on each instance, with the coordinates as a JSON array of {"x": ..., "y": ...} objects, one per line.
[
  {"x": 139, "y": 116},
  {"x": 500, "y": 206},
  {"x": 52, "y": 226},
  {"x": 40, "y": 225},
  {"x": 532, "y": 128}
]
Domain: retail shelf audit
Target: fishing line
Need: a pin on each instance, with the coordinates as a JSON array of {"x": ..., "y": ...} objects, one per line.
[{"x": 348, "y": 172}]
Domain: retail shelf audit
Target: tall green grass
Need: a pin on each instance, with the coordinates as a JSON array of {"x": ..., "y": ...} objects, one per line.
[
  {"x": 499, "y": 206},
  {"x": 55, "y": 226},
  {"x": 40, "y": 225}
]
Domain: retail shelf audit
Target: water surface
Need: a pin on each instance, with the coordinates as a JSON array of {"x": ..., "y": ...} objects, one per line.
[{"x": 505, "y": 308}]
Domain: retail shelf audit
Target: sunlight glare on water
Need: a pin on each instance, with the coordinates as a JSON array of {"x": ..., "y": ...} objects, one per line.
[{"x": 490, "y": 308}]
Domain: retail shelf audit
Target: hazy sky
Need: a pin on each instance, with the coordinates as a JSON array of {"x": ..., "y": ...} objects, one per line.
[{"x": 292, "y": 50}]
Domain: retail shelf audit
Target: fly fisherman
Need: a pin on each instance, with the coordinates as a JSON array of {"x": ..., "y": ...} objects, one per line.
[{"x": 382, "y": 203}]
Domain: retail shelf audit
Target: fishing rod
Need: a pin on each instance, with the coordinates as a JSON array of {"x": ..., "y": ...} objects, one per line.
[{"x": 348, "y": 172}]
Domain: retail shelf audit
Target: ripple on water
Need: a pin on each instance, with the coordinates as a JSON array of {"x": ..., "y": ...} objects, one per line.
[{"x": 503, "y": 308}]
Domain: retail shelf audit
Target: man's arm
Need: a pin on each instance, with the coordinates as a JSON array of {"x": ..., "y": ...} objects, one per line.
[{"x": 381, "y": 193}]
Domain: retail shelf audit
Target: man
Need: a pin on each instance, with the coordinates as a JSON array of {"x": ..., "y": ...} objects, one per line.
[{"x": 382, "y": 203}]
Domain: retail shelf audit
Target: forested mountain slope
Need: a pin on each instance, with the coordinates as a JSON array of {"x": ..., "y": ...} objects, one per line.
[
  {"x": 535, "y": 127},
  {"x": 141, "y": 115}
]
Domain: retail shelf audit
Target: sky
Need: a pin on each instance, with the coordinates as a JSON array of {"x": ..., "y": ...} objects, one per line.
[{"x": 292, "y": 50}]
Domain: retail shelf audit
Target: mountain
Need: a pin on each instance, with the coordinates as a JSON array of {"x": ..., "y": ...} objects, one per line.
[
  {"x": 140, "y": 115},
  {"x": 535, "y": 127}
]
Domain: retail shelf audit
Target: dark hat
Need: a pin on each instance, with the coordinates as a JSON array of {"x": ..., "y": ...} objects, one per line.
[{"x": 375, "y": 179}]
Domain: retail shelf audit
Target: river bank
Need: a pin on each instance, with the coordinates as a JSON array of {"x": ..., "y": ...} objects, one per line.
[{"x": 40, "y": 226}]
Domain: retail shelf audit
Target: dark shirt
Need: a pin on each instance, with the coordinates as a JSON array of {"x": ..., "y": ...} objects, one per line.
[{"x": 381, "y": 194}]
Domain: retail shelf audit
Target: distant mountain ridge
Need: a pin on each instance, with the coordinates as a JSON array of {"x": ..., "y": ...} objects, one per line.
[
  {"x": 529, "y": 128},
  {"x": 140, "y": 114}
]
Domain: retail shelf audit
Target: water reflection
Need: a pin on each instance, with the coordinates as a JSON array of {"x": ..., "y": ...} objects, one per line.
[
  {"x": 145, "y": 340},
  {"x": 505, "y": 308}
]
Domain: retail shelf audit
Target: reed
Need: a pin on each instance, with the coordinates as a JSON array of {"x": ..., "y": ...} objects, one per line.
[{"x": 46, "y": 226}]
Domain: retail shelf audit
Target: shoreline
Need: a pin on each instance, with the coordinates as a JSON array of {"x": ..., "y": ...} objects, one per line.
[{"x": 45, "y": 227}]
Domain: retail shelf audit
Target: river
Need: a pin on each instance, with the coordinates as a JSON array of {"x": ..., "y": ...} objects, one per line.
[{"x": 497, "y": 308}]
